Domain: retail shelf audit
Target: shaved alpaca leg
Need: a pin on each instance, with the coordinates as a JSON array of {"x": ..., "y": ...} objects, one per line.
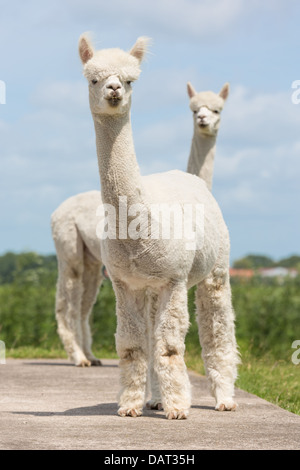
[
  {"x": 217, "y": 337},
  {"x": 68, "y": 313},
  {"x": 131, "y": 343},
  {"x": 172, "y": 326},
  {"x": 92, "y": 279}
]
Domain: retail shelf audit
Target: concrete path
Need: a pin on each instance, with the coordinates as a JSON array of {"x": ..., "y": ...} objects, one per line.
[{"x": 50, "y": 404}]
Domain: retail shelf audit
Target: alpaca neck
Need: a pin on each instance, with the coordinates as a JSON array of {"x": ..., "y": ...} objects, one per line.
[
  {"x": 119, "y": 171},
  {"x": 202, "y": 154}
]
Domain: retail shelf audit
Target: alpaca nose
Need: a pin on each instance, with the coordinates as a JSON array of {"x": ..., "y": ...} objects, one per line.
[
  {"x": 202, "y": 118},
  {"x": 202, "y": 114},
  {"x": 113, "y": 86}
]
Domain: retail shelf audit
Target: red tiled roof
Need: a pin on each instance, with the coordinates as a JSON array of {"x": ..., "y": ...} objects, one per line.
[{"x": 241, "y": 272}]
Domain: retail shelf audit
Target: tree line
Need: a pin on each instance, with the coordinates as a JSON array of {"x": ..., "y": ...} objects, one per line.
[{"x": 261, "y": 261}]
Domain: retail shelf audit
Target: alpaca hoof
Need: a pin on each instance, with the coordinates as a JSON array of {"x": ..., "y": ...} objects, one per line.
[
  {"x": 154, "y": 405},
  {"x": 96, "y": 362},
  {"x": 226, "y": 406},
  {"x": 177, "y": 414},
  {"x": 133, "y": 412},
  {"x": 83, "y": 363}
]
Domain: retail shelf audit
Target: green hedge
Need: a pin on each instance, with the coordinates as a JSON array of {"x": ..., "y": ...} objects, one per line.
[{"x": 267, "y": 313}]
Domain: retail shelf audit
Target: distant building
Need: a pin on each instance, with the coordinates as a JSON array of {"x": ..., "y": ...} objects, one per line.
[
  {"x": 278, "y": 272},
  {"x": 242, "y": 273}
]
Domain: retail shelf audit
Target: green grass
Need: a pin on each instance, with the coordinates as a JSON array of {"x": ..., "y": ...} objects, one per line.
[
  {"x": 276, "y": 381},
  {"x": 31, "y": 352}
]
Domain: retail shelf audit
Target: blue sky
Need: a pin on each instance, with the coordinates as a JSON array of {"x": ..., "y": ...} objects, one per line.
[{"x": 47, "y": 144}]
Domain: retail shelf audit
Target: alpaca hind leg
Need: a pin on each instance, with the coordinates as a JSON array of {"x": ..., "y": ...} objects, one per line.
[
  {"x": 68, "y": 309},
  {"x": 170, "y": 332},
  {"x": 153, "y": 383},
  {"x": 217, "y": 336},
  {"x": 92, "y": 279},
  {"x": 131, "y": 344}
]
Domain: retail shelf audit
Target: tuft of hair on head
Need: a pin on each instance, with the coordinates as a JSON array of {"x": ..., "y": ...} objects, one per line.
[
  {"x": 140, "y": 48},
  {"x": 85, "y": 47},
  {"x": 191, "y": 90},
  {"x": 224, "y": 91}
]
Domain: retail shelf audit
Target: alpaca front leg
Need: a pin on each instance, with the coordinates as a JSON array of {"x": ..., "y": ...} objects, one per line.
[
  {"x": 217, "y": 337},
  {"x": 131, "y": 344},
  {"x": 173, "y": 323}
]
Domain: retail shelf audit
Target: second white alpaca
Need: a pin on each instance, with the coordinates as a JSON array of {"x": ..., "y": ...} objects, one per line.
[{"x": 206, "y": 107}]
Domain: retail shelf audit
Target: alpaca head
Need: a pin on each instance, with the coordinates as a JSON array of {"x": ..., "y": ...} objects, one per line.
[
  {"x": 110, "y": 73},
  {"x": 207, "y": 107}
]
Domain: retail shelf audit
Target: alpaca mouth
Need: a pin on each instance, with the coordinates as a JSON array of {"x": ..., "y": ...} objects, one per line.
[
  {"x": 202, "y": 122},
  {"x": 114, "y": 100}
]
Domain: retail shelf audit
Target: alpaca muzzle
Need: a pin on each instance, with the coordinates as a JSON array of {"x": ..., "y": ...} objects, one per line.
[
  {"x": 202, "y": 122},
  {"x": 114, "y": 97}
]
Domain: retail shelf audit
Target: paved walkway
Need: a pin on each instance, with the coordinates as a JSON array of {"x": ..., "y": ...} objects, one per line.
[{"x": 50, "y": 404}]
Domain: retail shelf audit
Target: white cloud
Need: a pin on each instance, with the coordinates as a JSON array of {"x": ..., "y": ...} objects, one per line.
[
  {"x": 62, "y": 95},
  {"x": 257, "y": 166},
  {"x": 47, "y": 155},
  {"x": 186, "y": 17},
  {"x": 261, "y": 118},
  {"x": 162, "y": 89}
]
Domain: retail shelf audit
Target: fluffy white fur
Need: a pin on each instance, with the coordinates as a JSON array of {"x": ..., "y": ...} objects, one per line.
[
  {"x": 206, "y": 107},
  {"x": 77, "y": 246},
  {"x": 151, "y": 277}
]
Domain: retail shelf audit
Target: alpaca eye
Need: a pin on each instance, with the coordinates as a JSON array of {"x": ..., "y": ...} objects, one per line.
[
  {"x": 216, "y": 111},
  {"x": 94, "y": 81},
  {"x": 129, "y": 82}
]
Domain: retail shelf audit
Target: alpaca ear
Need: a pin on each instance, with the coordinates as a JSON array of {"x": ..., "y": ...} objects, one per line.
[
  {"x": 191, "y": 90},
  {"x": 140, "y": 48},
  {"x": 86, "y": 50},
  {"x": 224, "y": 92}
]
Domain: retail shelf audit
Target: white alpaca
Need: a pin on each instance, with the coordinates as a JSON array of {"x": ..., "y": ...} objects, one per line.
[
  {"x": 143, "y": 267},
  {"x": 207, "y": 107},
  {"x": 80, "y": 264}
]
